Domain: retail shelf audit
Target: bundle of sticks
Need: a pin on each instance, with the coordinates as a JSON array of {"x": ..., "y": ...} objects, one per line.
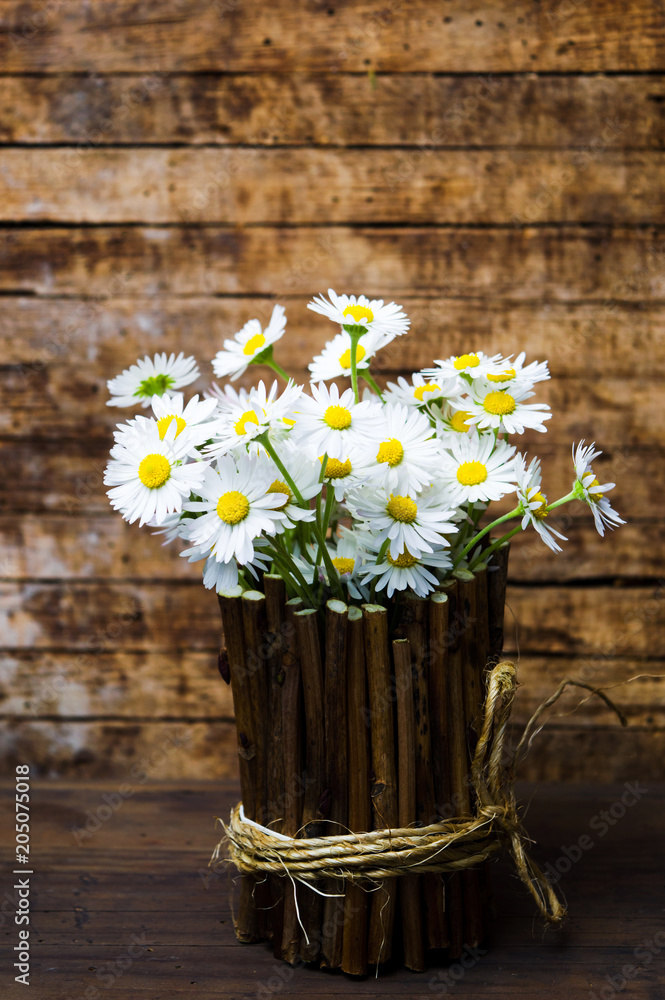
[{"x": 358, "y": 719}]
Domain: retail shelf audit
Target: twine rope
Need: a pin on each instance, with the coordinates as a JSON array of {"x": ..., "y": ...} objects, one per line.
[{"x": 446, "y": 846}]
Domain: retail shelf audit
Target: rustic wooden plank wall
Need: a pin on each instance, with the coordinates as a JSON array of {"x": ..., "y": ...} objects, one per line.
[{"x": 170, "y": 169}]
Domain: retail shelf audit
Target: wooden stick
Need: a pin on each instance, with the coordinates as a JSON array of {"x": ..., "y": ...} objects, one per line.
[
  {"x": 483, "y": 652},
  {"x": 257, "y": 658},
  {"x": 354, "y": 953},
  {"x": 246, "y": 923},
  {"x": 439, "y": 607},
  {"x": 467, "y": 607},
  {"x": 291, "y": 712},
  {"x": 415, "y": 627},
  {"x": 497, "y": 575},
  {"x": 316, "y": 797},
  {"x": 409, "y": 886},
  {"x": 275, "y": 594},
  {"x": 336, "y": 750},
  {"x": 458, "y": 767},
  {"x": 384, "y": 781}
]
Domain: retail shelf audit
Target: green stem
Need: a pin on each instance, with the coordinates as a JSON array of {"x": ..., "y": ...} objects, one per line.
[
  {"x": 355, "y": 333},
  {"x": 283, "y": 558},
  {"x": 266, "y": 358},
  {"x": 364, "y": 374},
  {"x": 557, "y": 503},
  {"x": 476, "y": 538},
  {"x": 482, "y": 557}
]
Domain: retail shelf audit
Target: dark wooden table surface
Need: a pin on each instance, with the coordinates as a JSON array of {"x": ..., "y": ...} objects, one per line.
[{"x": 127, "y": 908}]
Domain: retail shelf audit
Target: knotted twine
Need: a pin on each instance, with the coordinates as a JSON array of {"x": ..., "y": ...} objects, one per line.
[{"x": 447, "y": 846}]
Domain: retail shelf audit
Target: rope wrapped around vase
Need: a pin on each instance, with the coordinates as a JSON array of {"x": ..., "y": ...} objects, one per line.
[{"x": 447, "y": 846}]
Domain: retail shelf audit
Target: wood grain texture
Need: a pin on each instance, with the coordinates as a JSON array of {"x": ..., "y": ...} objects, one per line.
[
  {"x": 603, "y": 264},
  {"x": 486, "y": 36},
  {"x": 276, "y": 109},
  {"x": 339, "y": 187}
]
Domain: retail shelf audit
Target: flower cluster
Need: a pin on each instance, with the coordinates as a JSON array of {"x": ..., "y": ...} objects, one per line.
[{"x": 342, "y": 492}]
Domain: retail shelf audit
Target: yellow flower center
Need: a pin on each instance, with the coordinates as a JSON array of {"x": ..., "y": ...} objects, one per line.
[
  {"x": 233, "y": 507},
  {"x": 504, "y": 376},
  {"x": 390, "y": 452},
  {"x": 289, "y": 421},
  {"x": 540, "y": 512},
  {"x": 154, "y": 471},
  {"x": 254, "y": 344},
  {"x": 343, "y": 565},
  {"x": 336, "y": 469},
  {"x": 402, "y": 509},
  {"x": 345, "y": 359},
  {"x": 248, "y": 417},
  {"x": 403, "y": 561},
  {"x": 466, "y": 361},
  {"x": 279, "y": 487},
  {"x": 337, "y": 417},
  {"x": 422, "y": 389},
  {"x": 458, "y": 421},
  {"x": 471, "y": 473},
  {"x": 164, "y": 423},
  {"x": 499, "y": 403},
  {"x": 594, "y": 496},
  {"x": 359, "y": 312}
]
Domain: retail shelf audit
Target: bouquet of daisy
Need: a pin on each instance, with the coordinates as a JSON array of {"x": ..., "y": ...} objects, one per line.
[{"x": 345, "y": 492}]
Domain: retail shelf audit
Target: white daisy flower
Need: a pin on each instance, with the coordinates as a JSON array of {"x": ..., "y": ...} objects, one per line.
[
  {"x": 328, "y": 423},
  {"x": 250, "y": 414},
  {"x": 151, "y": 377},
  {"x": 533, "y": 502},
  {"x": 247, "y": 346},
  {"x": 477, "y": 469},
  {"x": 419, "y": 392},
  {"x": 516, "y": 374},
  {"x": 476, "y": 365},
  {"x": 408, "y": 572},
  {"x": 348, "y": 557},
  {"x": 587, "y": 487},
  {"x": 220, "y": 576},
  {"x": 335, "y": 359},
  {"x": 343, "y": 476},
  {"x": 505, "y": 411},
  {"x": 408, "y": 455},
  {"x": 148, "y": 476},
  {"x": 387, "y": 320},
  {"x": 236, "y": 509},
  {"x": 452, "y": 421},
  {"x": 418, "y": 524},
  {"x": 305, "y": 474},
  {"x": 196, "y": 416}
]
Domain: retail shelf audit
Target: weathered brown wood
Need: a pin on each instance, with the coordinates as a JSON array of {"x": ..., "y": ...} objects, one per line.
[
  {"x": 600, "y": 263},
  {"x": 294, "y": 775},
  {"x": 278, "y": 109},
  {"x": 384, "y": 775},
  {"x": 495, "y": 36},
  {"x": 577, "y": 337},
  {"x": 335, "y": 719},
  {"x": 354, "y": 945},
  {"x": 316, "y": 797},
  {"x": 459, "y": 187},
  {"x": 409, "y": 887},
  {"x": 603, "y": 621}
]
